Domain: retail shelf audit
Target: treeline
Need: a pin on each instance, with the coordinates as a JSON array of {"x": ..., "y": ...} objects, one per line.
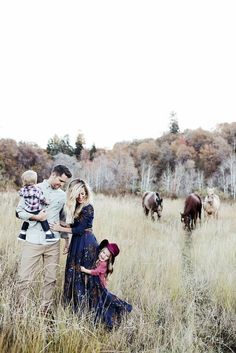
[{"x": 175, "y": 164}]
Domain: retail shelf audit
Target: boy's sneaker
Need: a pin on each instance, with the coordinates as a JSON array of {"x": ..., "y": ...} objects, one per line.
[
  {"x": 22, "y": 237},
  {"x": 50, "y": 237}
]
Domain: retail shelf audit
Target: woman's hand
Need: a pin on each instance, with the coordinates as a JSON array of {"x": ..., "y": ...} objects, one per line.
[
  {"x": 64, "y": 224},
  {"x": 56, "y": 227}
]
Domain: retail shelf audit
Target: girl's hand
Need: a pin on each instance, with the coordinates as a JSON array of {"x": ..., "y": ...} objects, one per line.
[{"x": 82, "y": 268}]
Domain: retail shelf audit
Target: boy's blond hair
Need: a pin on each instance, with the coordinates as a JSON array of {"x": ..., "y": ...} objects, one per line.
[{"x": 29, "y": 177}]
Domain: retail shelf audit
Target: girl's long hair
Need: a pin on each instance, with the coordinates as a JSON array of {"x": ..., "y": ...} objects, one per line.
[
  {"x": 110, "y": 263},
  {"x": 72, "y": 208}
]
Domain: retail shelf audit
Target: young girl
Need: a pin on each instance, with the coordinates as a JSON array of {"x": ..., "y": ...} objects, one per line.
[{"x": 104, "y": 264}]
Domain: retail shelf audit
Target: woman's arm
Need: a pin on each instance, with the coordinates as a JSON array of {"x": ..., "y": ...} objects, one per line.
[
  {"x": 58, "y": 228},
  {"x": 84, "y": 222}
]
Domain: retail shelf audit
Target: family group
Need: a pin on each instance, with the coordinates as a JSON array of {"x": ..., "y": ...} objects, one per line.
[{"x": 50, "y": 214}]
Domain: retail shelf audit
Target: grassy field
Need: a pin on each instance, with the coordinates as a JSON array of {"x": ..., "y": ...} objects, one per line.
[{"x": 182, "y": 287}]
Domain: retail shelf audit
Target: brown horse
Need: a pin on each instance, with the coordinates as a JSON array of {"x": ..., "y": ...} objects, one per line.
[
  {"x": 192, "y": 211},
  {"x": 151, "y": 201}
]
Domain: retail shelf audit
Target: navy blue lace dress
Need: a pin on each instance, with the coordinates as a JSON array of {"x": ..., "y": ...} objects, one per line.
[{"x": 83, "y": 291}]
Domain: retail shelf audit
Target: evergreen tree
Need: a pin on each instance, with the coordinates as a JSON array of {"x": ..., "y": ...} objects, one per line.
[
  {"x": 59, "y": 145},
  {"x": 53, "y": 146},
  {"x": 79, "y": 146},
  {"x": 92, "y": 152},
  {"x": 65, "y": 146},
  {"x": 174, "y": 125}
]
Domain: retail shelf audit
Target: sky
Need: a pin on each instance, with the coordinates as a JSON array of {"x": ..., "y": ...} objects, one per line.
[{"x": 115, "y": 70}]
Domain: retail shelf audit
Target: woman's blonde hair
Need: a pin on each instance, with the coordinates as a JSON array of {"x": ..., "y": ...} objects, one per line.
[{"x": 72, "y": 208}]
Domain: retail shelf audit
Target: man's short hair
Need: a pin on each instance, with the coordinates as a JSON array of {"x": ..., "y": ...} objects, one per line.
[{"x": 61, "y": 169}]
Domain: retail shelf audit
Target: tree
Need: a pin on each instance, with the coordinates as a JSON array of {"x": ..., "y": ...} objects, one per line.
[
  {"x": 16, "y": 158},
  {"x": 79, "y": 146},
  {"x": 174, "y": 125},
  {"x": 60, "y": 145},
  {"x": 65, "y": 146},
  {"x": 228, "y": 132},
  {"x": 31, "y": 156},
  {"x": 92, "y": 152}
]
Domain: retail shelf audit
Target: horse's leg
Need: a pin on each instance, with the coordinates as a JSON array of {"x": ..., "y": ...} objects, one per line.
[
  {"x": 189, "y": 225},
  {"x": 152, "y": 215},
  {"x": 200, "y": 216},
  {"x": 146, "y": 210},
  {"x": 193, "y": 221}
]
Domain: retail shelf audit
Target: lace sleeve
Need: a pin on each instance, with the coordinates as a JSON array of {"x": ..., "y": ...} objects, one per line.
[{"x": 84, "y": 221}]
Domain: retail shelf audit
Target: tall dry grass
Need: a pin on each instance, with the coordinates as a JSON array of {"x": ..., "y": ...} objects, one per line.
[{"x": 182, "y": 287}]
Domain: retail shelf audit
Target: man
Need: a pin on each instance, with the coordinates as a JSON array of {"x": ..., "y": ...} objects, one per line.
[{"x": 39, "y": 256}]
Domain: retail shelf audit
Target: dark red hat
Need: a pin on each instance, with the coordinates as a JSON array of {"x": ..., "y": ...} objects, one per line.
[{"x": 112, "y": 247}]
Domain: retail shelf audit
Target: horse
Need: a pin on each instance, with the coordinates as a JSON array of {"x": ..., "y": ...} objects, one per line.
[
  {"x": 192, "y": 211},
  {"x": 152, "y": 202},
  {"x": 211, "y": 204}
]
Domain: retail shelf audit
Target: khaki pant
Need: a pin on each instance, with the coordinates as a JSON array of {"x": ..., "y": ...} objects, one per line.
[{"x": 39, "y": 264}]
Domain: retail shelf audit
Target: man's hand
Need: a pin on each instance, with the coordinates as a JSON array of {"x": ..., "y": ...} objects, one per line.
[
  {"x": 65, "y": 249},
  {"x": 66, "y": 246},
  {"x": 41, "y": 216}
]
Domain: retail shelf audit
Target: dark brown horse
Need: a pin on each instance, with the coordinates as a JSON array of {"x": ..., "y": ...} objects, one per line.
[
  {"x": 151, "y": 201},
  {"x": 192, "y": 211}
]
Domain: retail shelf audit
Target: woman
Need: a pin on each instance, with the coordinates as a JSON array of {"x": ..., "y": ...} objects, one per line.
[{"x": 80, "y": 289}]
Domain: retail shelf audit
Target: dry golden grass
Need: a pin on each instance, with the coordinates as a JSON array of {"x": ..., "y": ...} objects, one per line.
[{"x": 182, "y": 287}]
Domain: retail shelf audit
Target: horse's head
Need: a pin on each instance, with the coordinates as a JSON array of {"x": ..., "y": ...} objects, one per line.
[
  {"x": 210, "y": 197},
  {"x": 187, "y": 221}
]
